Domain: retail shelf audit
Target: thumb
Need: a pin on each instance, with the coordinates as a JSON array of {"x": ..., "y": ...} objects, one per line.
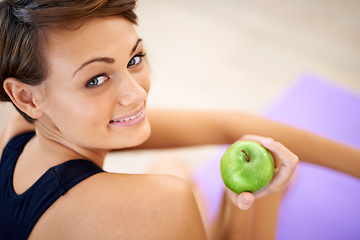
[{"x": 245, "y": 200}]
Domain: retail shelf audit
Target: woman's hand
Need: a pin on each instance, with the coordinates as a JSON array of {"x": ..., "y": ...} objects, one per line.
[{"x": 285, "y": 163}]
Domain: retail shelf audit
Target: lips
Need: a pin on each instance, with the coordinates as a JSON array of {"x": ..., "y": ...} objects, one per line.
[{"x": 130, "y": 119}]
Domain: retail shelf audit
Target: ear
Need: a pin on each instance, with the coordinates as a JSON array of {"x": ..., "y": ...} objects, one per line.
[{"x": 22, "y": 95}]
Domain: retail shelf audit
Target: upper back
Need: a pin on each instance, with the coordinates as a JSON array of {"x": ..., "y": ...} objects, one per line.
[
  {"x": 122, "y": 206},
  {"x": 117, "y": 206},
  {"x": 20, "y": 212}
]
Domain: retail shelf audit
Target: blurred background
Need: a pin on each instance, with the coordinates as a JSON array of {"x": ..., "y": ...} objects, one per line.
[{"x": 241, "y": 54}]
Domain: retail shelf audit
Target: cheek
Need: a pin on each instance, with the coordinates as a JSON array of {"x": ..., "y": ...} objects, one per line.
[
  {"x": 67, "y": 109},
  {"x": 85, "y": 112},
  {"x": 79, "y": 122}
]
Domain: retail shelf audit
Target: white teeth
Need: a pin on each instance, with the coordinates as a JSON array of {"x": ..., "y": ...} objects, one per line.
[{"x": 128, "y": 118}]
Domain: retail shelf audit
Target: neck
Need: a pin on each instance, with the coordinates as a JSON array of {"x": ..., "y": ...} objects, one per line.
[{"x": 53, "y": 147}]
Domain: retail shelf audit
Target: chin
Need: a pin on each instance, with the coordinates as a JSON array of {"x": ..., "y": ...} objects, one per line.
[
  {"x": 136, "y": 139},
  {"x": 143, "y": 138}
]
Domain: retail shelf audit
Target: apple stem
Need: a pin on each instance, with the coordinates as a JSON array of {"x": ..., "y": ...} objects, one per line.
[{"x": 247, "y": 156}]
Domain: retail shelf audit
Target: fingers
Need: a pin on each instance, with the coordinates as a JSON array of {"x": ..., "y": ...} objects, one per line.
[
  {"x": 288, "y": 164},
  {"x": 243, "y": 201},
  {"x": 280, "y": 152},
  {"x": 285, "y": 163}
]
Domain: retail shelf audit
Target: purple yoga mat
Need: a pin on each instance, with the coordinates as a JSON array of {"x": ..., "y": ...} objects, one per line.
[{"x": 323, "y": 203}]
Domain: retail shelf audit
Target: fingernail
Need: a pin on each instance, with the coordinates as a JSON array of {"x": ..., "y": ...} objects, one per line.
[{"x": 246, "y": 198}]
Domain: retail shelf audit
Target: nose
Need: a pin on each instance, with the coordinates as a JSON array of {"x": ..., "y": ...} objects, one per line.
[{"x": 131, "y": 92}]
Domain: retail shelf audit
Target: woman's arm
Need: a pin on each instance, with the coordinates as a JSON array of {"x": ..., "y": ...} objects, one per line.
[{"x": 184, "y": 128}]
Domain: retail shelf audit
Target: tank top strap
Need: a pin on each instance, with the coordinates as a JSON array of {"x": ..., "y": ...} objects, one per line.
[
  {"x": 74, "y": 171},
  {"x": 19, "y": 213}
]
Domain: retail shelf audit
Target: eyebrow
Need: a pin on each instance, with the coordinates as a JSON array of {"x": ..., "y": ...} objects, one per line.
[
  {"x": 103, "y": 59},
  {"x": 106, "y": 59},
  {"x": 135, "y": 47}
]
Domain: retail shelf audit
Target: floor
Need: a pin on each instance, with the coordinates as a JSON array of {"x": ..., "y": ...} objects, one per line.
[{"x": 239, "y": 54}]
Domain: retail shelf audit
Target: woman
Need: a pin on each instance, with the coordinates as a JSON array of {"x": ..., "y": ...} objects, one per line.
[{"x": 75, "y": 71}]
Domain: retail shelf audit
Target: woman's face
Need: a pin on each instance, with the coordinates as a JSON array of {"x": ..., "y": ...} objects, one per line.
[{"x": 98, "y": 83}]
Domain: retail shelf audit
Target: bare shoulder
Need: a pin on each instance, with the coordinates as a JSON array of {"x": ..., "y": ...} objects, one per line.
[{"x": 124, "y": 206}]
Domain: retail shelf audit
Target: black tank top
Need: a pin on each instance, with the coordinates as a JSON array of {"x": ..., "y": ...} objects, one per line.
[{"x": 19, "y": 213}]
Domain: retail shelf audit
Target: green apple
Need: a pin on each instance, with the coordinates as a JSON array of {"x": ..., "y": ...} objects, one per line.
[{"x": 246, "y": 166}]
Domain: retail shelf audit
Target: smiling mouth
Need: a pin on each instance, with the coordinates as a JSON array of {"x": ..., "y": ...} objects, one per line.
[{"x": 128, "y": 118}]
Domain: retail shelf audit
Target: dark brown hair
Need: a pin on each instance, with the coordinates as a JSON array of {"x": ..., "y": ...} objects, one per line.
[{"x": 23, "y": 25}]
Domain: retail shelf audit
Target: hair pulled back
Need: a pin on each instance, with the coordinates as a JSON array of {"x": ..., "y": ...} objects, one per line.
[{"x": 23, "y": 24}]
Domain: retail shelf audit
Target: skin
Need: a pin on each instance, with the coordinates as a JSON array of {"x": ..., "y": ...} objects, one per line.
[
  {"x": 80, "y": 127},
  {"x": 227, "y": 126}
]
